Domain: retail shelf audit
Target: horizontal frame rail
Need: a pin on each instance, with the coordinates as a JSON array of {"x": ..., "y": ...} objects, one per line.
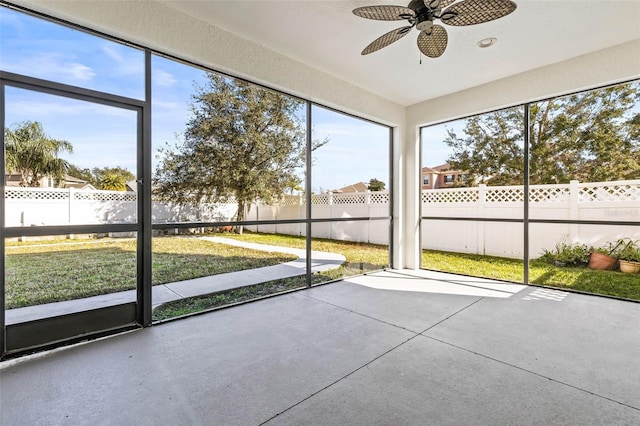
[
  {"x": 552, "y": 221},
  {"x": 181, "y": 225}
]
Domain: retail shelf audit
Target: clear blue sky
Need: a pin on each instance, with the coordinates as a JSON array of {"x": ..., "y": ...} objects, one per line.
[{"x": 104, "y": 136}]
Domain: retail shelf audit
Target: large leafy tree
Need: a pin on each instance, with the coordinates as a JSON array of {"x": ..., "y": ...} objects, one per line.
[
  {"x": 243, "y": 143},
  {"x": 32, "y": 153},
  {"x": 591, "y": 136}
]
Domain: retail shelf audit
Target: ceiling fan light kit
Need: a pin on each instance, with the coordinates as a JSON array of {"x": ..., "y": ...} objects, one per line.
[
  {"x": 487, "y": 42},
  {"x": 421, "y": 14}
]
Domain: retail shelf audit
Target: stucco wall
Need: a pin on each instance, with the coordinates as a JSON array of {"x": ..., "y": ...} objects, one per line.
[{"x": 615, "y": 64}]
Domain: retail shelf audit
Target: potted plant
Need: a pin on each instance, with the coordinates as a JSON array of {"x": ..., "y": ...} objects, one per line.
[
  {"x": 605, "y": 259},
  {"x": 629, "y": 257}
]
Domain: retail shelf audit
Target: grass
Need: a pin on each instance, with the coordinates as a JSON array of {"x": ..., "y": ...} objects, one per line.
[
  {"x": 65, "y": 270},
  {"x": 190, "y": 305},
  {"x": 607, "y": 283},
  {"x": 69, "y": 269}
]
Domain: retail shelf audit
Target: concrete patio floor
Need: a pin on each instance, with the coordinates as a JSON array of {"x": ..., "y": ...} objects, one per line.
[{"x": 391, "y": 348}]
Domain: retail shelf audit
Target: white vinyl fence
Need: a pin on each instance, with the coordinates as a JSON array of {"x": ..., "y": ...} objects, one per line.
[
  {"x": 607, "y": 201},
  {"x": 329, "y": 206},
  {"x": 53, "y": 206},
  {"x": 602, "y": 201}
]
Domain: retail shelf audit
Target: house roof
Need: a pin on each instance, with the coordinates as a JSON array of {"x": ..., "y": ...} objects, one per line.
[
  {"x": 442, "y": 167},
  {"x": 437, "y": 169},
  {"x": 356, "y": 187},
  {"x": 72, "y": 179}
]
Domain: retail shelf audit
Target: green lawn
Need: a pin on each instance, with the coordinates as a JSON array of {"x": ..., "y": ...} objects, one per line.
[
  {"x": 577, "y": 278},
  {"x": 65, "y": 270},
  {"x": 53, "y": 271}
]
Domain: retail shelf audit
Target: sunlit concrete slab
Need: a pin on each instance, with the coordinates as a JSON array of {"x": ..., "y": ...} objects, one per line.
[
  {"x": 415, "y": 311},
  {"x": 424, "y": 281},
  {"x": 426, "y": 382},
  {"x": 415, "y": 300}
]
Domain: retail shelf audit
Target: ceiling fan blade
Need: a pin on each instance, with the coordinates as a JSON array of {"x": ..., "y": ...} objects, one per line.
[
  {"x": 386, "y": 39},
  {"x": 384, "y": 13},
  {"x": 471, "y": 12},
  {"x": 437, "y": 4},
  {"x": 433, "y": 42}
]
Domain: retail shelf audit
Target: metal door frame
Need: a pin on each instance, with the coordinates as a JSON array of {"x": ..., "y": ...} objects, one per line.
[{"x": 24, "y": 336}]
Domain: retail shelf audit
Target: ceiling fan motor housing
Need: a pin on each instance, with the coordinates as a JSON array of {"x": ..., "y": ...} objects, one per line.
[{"x": 424, "y": 15}]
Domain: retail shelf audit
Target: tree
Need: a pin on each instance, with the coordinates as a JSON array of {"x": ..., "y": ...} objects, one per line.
[
  {"x": 113, "y": 182},
  {"x": 84, "y": 174},
  {"x": 591, "y": 136},
  {"x": 106, "y": 178},
  {"x": 375, "y": 185},
  {"x": 33, "y": 154},
  {"x": 242, "y": 143},
  {"x": 111, "y": 178}
]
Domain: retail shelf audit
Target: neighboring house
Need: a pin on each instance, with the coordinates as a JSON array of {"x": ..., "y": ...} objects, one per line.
[
  {"x": 440, "y": 177},
  {"x": 356, "y": 187},
  {"x": 13, "y": 179},
  {"x": 74, "y": 182}
]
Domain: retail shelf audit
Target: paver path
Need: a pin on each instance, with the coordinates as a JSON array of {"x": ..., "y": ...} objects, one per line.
[{"x": 162, "y": 293}]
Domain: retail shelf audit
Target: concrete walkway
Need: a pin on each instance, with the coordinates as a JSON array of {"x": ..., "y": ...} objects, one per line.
[{"x": 163, "y": 293}]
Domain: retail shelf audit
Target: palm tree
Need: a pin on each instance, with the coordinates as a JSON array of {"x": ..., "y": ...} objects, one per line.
[
  {"x": 113, "y": 182},
  {"x": 33, "y": 154}
]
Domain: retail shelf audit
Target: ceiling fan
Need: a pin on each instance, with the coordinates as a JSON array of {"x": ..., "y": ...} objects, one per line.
[{"x": 421, "y": 14}]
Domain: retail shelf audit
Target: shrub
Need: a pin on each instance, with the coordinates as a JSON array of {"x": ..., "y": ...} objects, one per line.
[
  {"x": 565, "y": 254},
  {"x": 629, "y": 250}
]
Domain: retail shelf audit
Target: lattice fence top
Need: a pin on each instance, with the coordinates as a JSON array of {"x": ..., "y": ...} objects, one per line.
[
  {"x": 609, "y": 191},
  {"x": 505, "y": 195},
  {"x": 320, "y": 199},
  {"x": 57, "y": 194},
  {"x": 586, "y": 193},
  {"x": 379, "y": 197},
  {"x": 549, "y": 193},
  {"x": 104, "y": 196},
  {"x": 40, "y": 194},
  {"x": 291, "y": 200},
  {"x": 467, "y": 195},
  {"x": 349, "y": 198}
]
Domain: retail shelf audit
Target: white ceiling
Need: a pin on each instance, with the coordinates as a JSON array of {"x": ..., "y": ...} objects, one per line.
[{"x": 328, "y": 36}]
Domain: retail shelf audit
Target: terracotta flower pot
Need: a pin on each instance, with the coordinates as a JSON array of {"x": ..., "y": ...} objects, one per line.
[
  {"x": 602, "y": 262},
  {"x": 629, "y": 267}
]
